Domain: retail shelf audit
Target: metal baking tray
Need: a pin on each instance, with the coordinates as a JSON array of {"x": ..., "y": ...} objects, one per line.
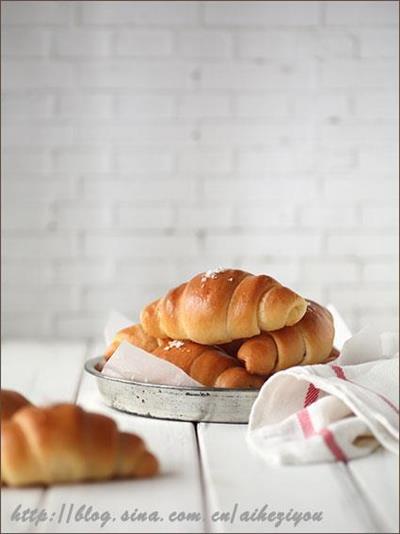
[{"x": 217, "y": 405}]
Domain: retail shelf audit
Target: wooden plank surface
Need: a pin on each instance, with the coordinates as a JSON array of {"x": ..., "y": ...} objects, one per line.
[
  {"x": 234, "y": 476},
  {"x": 50, "y": 372},
  {"x": 177, "y": 489},
  {"x": 45, "y": 372},
  {"x": 361, "y": 497}
]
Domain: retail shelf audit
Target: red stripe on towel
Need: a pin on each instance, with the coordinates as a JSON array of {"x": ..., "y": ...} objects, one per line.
[
  {"x": 332, "y": 444},
  {"x": 305, "y": 422},
  {"x": 308, "y": 430},
  {"x": 311, "y": 395},
  {"x": 339, "y": 371},
  {"x": 388, "y": 402}
]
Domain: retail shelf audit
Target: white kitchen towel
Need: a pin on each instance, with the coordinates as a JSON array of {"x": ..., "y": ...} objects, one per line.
[{"x": 331, "y": 412}]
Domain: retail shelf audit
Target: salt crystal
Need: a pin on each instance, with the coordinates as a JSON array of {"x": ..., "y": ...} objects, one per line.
[
  {"x": 174, "y": 344},
  {"x": 212, "y": 273}
]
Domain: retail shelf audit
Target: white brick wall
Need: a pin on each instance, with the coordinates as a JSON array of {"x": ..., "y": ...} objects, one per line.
[{"x": 145, "y": 141}]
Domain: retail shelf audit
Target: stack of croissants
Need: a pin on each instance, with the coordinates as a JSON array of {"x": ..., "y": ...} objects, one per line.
[{"x": 227, "y": 328}]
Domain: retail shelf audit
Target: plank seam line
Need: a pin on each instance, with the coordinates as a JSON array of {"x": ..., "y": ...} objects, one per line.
[
  {"x": 86, "y": 353},
  {"x": 40, "y": 502},
  {"x": 44, "y": 491},
  {"x": 205, "y": 507},
  {"x": 369, "y": 507}
]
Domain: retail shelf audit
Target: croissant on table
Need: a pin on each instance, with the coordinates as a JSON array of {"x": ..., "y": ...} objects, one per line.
[
  {"x": 223, "y": 305},
  {"x": 309, "y": 341},
  {"x": 64, "y": 443},
  {"x": 209, "y": 365},
  {"x": 11, "y": 402}
]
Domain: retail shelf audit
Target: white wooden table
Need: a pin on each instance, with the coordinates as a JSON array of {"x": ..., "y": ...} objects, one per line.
[{"x": 205, "y": 469}]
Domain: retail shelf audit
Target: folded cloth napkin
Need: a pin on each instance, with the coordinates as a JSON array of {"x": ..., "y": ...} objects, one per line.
[{"x": 331, "y": 412}]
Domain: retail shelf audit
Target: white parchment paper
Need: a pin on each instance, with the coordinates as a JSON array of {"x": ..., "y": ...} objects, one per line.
[{"x": 132, "y": 363}]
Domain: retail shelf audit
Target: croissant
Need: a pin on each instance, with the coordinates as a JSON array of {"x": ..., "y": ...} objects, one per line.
[
  {"x": 222, "y": 305},
  {"x": 11, "y": 402},
  {"x": 307, "y": 342},
  {"x": 64, "y": 443},
  {"x": 208, "y": 365},
  {"x": 136, "y": 336}
]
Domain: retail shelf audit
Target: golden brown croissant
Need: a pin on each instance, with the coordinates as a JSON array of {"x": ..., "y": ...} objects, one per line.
[
  {"x": 11, "y": 402},
  {"x": 64, "y": 443},
  {"x": 136, "y": 336},
  {"x": 309, "y": 341},
  {"x": 208, "y": 365},
  {"x": 222, "y": 305}
]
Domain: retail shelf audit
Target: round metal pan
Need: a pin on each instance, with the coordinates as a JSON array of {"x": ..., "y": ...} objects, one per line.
[{"x": 217, "y": 405}]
